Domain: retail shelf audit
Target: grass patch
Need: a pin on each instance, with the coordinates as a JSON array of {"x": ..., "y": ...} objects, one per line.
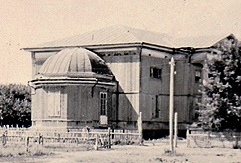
[{"x": 13, "y": 151}]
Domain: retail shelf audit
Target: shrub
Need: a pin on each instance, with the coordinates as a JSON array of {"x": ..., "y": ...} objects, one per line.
[{"x": 15, "y": 105}]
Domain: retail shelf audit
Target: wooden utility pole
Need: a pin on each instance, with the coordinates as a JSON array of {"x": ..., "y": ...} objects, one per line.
[{"x": 172, "y": 64}]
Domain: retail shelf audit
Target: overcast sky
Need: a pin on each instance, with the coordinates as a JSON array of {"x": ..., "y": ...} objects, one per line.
[{"x": 25, "y": 23}]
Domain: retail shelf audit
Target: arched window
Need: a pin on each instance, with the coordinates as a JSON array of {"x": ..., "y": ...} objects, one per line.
[{"x": 103, "y": 103}]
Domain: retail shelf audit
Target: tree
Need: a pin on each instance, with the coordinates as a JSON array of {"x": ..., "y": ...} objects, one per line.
[
  {"x": 15, "y": 105},
  {"x": 221, "y": 108}
]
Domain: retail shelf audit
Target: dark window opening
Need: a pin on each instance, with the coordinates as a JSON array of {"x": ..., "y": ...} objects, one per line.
[
  {"x": 103, "y": 103},
  {"x": 157, "y": 111},
  {"x": 155, "y": 72},
  {"x": 198, "y": 76}
]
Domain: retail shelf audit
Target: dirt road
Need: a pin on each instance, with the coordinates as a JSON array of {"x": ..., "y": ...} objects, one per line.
[{"x": 150, "y": 152}]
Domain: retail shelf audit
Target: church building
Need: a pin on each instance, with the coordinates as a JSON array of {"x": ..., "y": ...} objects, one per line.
[{"x": 105, "y": 78}]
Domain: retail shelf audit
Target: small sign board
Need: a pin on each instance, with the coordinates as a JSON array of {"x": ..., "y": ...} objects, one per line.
[{"x": 103, "y": 120}]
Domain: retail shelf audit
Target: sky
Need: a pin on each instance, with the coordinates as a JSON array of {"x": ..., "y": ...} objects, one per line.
[{"x": 25, "y": 23}]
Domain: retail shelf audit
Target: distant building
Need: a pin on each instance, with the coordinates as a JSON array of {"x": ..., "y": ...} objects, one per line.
[{"x": 107, "y": 77}]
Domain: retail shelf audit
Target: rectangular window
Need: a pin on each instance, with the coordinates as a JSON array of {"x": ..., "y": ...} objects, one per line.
[
  {"x": 103, "y": 103},
  {"x": 155, "y": 73},
  {"x": 197, "y": 76},
  {"x": 53, "y": 102}
]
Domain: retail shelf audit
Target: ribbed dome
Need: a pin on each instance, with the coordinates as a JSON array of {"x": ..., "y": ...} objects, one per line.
[{"x": 74, "y": 62}]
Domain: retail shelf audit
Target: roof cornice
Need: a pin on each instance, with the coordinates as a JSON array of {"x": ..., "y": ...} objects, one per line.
[
  {"x": 92, "y": 47},
  {"x": 103, "y": 46},
  {"x": 121, "y": 45}
]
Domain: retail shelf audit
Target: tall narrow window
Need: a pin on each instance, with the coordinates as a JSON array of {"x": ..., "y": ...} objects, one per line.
[
  {"x": 103, "y": 103},
  {"x": 53, "y": 101},
  {"x": 155, "y": 72},
  {"x": 157, "y": 111}
]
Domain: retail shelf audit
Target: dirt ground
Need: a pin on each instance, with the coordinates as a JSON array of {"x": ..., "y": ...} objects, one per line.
[{"x": 151, "y": 151}]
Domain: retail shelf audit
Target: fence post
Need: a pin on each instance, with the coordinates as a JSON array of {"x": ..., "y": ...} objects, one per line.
[
  {"x": 40, "y": 142},
  {"x": 188, "y": 139},
  {"x": 58, "y": 139},
  {"x": 27, "y": 143},
  {"x": 139, "y": 122},
  {"x": 41, "y": 139},
  {"x": 109, "y": 140},
  {"x": 236, "y": 141},
  {"x": 208, "y": 139},
  {"x": 88, "y": 133},
  {"x": 96, "y": 142},
  {"x": 4, "y": 139}
]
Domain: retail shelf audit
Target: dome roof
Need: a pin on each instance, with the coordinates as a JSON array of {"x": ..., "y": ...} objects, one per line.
[{"x": 74, "y": 62}]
